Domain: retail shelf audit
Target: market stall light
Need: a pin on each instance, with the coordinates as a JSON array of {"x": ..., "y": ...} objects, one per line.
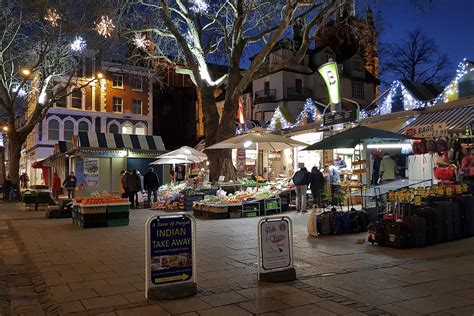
[
  {"x": 388, "y": 146},
  {"x": 247, "y": 144}
]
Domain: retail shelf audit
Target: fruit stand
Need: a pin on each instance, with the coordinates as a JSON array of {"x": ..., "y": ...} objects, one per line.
[{"x": 101, "y": 211}]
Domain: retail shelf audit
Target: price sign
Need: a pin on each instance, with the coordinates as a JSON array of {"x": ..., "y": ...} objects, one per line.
[
  {"x": 449, "y": 191},
  {"x": 458, "y": 188},
  {"x": 417, "y": 200},
  {"x": 439, "y": 191},
  {"x": 464, "y": 187}
]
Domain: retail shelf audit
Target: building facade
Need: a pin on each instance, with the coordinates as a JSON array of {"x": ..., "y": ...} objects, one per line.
[{"x": 120, "y": 101}]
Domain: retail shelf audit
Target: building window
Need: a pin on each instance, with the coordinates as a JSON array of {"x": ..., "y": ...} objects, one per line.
[
  {"x": 53, "y": 130},
  {"x": 83, "y": 127},
  {"x": 117, "y": 104},
  {"x": 68, "y": 130},
  {"x": 140, "y": 130},
  {"x": 357, "y": 89},
  {"x": 60, "y": 95},
  {"x": 137, "y": 106},
  {"x": 114, "y": 129},
  {"x": 266, "y": 87},
  {"x": 137, "y": 83},
  {"x": 76, "y": 99},
  {"x": 127, "y": 129},
  {"x": 117, "y": 81},
  {"x": 358, "y": 65},
  {"x": 329, "y": 57},
  {"x": 267, "y": 115}
]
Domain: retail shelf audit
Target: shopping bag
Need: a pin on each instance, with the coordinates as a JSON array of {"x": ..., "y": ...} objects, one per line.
[
  {"x": 312, "y": 223},
  {"x": 140, "y": 197}
]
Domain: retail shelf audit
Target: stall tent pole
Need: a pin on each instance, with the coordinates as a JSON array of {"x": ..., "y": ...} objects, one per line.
[{"x": 256, "y": 164}]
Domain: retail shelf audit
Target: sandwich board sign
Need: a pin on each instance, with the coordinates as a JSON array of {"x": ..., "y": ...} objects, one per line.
[
  {"x": 275, "y": 249},
  {"x": 170, "y": 264}
]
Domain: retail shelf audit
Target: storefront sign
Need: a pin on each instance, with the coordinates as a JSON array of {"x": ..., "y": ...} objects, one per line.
[
  {"x": 428, "y": 130},
  {"x": 91, "y": 172},
  {"x": 275, "y": 243},
  {"x": 330, "y": 75},
  {"x": 340, "y": 117},
  {"x": 170, "y": 255}
]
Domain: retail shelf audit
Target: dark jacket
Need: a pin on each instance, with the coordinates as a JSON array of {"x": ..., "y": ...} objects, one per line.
[
  {"x": 134, "y": 184},
  {"x": 151, "y": 181},
  {"x": 70, "y": 182},
  {"x": 301, "y": 177},
  {"x": 317, "y": 180}
]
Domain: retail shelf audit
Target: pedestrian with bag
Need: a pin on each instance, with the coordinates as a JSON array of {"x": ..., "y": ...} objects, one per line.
[
  {"x": 70, "y": 183},
  {"x": 301, "y": 179},
  {"x": 56, "y": 188},
  {"x": 316, "y": 185},
  {"x": 134, "y": 186},
  {"x": 152, "y": 183}
]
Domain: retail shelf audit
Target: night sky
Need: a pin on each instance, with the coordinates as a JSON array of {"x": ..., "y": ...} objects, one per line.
[{"x": 449, "y": 22}]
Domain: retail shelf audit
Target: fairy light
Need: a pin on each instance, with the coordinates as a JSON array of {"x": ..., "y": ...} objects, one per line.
[
  {"x": 449, "y": 93},
  {"x": 310, "y": 112},
  {"x": 199, "y": 6},
  {"x": 52, "y": 17},
  {"x": 105, "y": 27},
  {"x": 140, "y": 41},
  {"x": 21, "y": 92},
  {"x": 79, "y": 44}
]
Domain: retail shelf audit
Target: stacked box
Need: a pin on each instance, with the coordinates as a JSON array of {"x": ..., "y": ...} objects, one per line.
[
  {"x": 190, "y": 199},
  {"x": 90, "y": 216},
  {"x": 118, "y": 215}
]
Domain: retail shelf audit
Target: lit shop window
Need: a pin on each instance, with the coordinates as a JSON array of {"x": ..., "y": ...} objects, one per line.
[
  {"x": 140, "y": 130},
  {"x": 127, "y": 129}
]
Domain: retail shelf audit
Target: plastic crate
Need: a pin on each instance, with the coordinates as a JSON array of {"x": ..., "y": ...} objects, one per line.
[
  {"x": 92, "y": 218},
  {"x": 118, "y": 222},
  {"x": 235, "y": 214},
  {"x": 119, "y": 208},
  {"x": 250, "y": 214},
  {"x": 86, "y": 224},
  {"x": 92, "y": 209},
  {"x": 120, "y": 215}
]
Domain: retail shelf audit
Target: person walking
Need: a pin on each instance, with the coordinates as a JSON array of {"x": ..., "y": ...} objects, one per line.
[
  {"x": 388, "y": 169},
  {"x": 24, "y": 179},
  {"x": 56, "y": 188},
  {"x": 7, "y": 187},
  {"x": 70, "y": 183},
  {"x": 334, "y": 176},
  {"x": 316, "y": 185},
  {"x": 123, "y": 175},
  {"x": 301, "y": 179},
  {"x": 151, "y": 184},
  {"x": 134, "y": 186},
  {"x": 339, "y": 162}
]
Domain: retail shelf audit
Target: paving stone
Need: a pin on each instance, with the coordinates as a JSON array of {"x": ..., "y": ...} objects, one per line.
[
  {"x": 306, "y": 310},
  {"x": 230, "y": 310},
  {"x": 134, "y": 297},
  {"x": 184, "y": 305},
  {"x": 263, "y": 305},
  {"x": 144, "y": 311},
  {"x": 399, "y": 310},
  {"x": 61, "y": 297},
  {"x": 72, "y": 307},
  {"x": 106, "y": 301},
  {"x": 468, "y": 293},
  {"x": 297, "y": 299},
  {"x": 224, "y": 299},
  {"x": 462, "y": 311},
  {"x": 422, "y": 305},
  {"x": 335, "y": 307},
  {"x": 259, "y": 292},
  {"x": 450, "y": 300}
]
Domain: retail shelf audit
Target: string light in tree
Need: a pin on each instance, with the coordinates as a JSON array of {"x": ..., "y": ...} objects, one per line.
[
  {"x": 199, "y": 6},
  {"x": 105, "y": 27},
  {"x": 79, "y": 44},
  {"x": 52, "y": 17}
]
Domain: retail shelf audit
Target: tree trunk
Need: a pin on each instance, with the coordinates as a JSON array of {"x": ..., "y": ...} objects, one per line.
[
  {"x": 220, "y": 160},
  {"x": 14, "y": 154}
]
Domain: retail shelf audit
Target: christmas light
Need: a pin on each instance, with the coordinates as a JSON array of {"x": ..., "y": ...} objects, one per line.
[
  {"x": 79, "y": 44},
  {"x": 450, "y": 93},
  {"x": 105, "y": 27},
  {"x": 21, "y": 93},
  {"x": 140, "y": 41},
  {"x": 52, "y": 17},
  {"x": 309, "y": 114},
  {"x": 199, "y": 6}
]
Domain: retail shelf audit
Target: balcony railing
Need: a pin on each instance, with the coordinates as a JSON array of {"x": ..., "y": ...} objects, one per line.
[
  {"x": 265, "y": 96},
  {"x": 298, "y": 94}
]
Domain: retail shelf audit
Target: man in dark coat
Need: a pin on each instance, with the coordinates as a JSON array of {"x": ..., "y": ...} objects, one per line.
[
  {"x": 70, "y": 183},
  {"x": 134, "y": 185},
  {"x": 301, "y": 179},
  {"x": 316, "y": 185},
  {"x": 151, "y": 184}
]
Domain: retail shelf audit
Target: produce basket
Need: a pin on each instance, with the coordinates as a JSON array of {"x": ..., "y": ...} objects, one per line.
[
  {"x": 93, "y": 209},
  {"x": 118, "y": 222},
  {"x": 118, "y": 208}
]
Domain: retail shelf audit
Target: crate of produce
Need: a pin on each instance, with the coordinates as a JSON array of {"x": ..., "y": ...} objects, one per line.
[
  {"x": 120, "y": 215},
  {"x": 86, "y": 224},
  {"x": 94, "y": 217},
  {"x": 118, "y": 208},
  {"x": 197, "y": 212},
  {"x": 93, "y": 209},
  {"x": 118, "y": 222},
  {"x": 215, "y": 215},
  {"x": 235, "y": 214},
  {"x": 218, "y": 209}
]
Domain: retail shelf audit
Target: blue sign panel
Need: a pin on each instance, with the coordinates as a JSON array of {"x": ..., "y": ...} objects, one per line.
[{"x": 171, "y": 250}]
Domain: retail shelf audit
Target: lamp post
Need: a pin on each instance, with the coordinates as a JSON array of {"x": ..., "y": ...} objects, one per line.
[{"x": 4, "y": 131}]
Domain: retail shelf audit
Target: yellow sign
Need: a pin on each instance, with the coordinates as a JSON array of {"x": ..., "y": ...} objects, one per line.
[
  {"x": 458, "y": 189},
  {"x": 449, "y": 191},
  {"x": 464, "y": 187},
  {"x": 181, "y": 277},
  {"x": 331, "y": 77},
  {"x": 417, "y": 200}
]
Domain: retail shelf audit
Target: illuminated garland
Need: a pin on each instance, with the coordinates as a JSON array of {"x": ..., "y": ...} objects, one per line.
[
  {"x": 410, "y": 102},
  {"x": 310, "y": 112}
]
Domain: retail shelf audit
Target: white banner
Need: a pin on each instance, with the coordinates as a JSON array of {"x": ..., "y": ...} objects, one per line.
[{"x": 434, "y": 130}]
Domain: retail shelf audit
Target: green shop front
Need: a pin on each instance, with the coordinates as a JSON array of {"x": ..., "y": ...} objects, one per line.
[{"x": 98, "y": 158}]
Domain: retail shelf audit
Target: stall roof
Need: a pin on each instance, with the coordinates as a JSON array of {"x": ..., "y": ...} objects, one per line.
[
  {"x": 455, "y": 118},
  {"x": 120, "y": 141}
]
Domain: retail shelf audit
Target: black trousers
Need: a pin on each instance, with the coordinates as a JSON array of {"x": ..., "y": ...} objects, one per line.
[{"x": 131, "y": 198}]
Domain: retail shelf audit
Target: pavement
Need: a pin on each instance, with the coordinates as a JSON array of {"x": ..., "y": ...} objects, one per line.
[{"x": 50, "y": 267}]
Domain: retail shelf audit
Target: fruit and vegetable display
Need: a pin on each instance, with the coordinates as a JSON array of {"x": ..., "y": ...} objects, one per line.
[{"x": 101, "y": 200}]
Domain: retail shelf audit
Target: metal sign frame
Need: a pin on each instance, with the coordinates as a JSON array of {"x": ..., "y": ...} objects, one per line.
[
  {"x": 148, "y": 283},
  {"x": 259, "y": 242}
]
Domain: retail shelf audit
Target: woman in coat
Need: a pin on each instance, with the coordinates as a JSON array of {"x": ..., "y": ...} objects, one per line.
[{"x": 56, "y": 185}]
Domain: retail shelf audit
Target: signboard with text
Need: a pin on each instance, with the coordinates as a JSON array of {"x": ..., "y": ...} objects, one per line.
[
  {"x": 275, "y": 243},
  {"x": 169, "y": 250},
  {"x": 340, "y": 117},
  {"x": 330, "y": 75},
  {"x": 428, "y": 130}
]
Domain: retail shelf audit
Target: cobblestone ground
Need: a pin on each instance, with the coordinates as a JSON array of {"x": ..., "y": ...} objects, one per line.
[{"x": 61, "y": 269}]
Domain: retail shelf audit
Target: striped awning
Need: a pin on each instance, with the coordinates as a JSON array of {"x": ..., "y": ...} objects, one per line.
[
  {"x": 456, "y": 119},
  {"x": 120, "y": 141}
]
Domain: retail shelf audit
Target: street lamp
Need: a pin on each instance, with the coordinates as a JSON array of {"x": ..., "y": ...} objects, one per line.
[
  {"x": 100, "y": 75},
  {"x": 5, "y": 128},
  {"x": 25, "y": 72}
]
